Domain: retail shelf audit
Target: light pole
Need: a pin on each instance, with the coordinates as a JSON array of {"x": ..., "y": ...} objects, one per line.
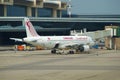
[{"x": 69, "y": 8}]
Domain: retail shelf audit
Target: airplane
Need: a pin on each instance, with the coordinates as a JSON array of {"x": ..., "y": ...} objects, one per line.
[{"x": 55, "y": 43}]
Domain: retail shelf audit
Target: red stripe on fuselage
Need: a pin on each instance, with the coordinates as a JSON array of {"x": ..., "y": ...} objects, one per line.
[
  {"x": 68, "y": 38},
  {"x": 82, "y": 38}
]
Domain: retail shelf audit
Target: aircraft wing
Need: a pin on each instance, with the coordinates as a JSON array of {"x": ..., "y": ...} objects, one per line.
[
  {"x": 69, "y": 45},
  {"x": 17, "y": 39},
  {"x": 77, "y": 46}
]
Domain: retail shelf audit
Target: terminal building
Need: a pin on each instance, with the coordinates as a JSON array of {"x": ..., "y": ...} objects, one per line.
[
  {"x": 32, "y": 8},
  {"x": 49, "y": 17}
]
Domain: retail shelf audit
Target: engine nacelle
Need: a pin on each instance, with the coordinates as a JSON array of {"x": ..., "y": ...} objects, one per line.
[{"x": 84, "y": 48}]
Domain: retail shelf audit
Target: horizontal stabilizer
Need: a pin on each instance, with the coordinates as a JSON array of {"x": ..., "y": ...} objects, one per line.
[{"x": 17, "y": 39}]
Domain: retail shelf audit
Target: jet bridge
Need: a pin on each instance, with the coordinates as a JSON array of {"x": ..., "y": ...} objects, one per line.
[
  {"x": 111, "y": 36},
  {"x": 95, "y": 34}
]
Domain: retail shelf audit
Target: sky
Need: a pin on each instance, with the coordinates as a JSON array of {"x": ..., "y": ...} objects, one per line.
[{"x": 95, "y": 7}]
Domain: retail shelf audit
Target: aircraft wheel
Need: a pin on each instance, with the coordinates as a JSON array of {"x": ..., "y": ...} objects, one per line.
[
  {"x": 53, "y": 51},
  {"x": 71, "y": 52}
]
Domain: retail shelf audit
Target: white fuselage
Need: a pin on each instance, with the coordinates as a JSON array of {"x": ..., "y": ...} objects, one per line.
[
  {"x": 51, "y": 41},
  {"x": 54, "y": 41}
]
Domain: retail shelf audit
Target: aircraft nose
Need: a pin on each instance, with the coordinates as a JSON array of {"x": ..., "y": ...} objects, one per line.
[{"x": 92, "y": 41}]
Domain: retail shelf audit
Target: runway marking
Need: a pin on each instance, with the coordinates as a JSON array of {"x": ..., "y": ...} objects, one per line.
[
  {"x": 42, "y": 65},
  {"x": 61, "y": 67}
]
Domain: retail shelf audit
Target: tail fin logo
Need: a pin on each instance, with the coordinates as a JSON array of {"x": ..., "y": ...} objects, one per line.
[
  {"x": 31, "y": 29},
  {"x": 29, "y": 26}
]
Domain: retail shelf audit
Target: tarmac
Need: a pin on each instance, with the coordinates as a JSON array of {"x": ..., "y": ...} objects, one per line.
[{"x": 42, "y": 65}]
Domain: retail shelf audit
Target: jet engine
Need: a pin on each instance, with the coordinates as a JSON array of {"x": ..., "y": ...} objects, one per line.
[{"x": 84, "y": 48}]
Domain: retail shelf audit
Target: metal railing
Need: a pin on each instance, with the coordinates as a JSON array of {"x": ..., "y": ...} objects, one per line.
[{"x": 62, "y": 19}]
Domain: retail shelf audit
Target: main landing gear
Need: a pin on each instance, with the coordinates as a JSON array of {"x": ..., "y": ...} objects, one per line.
[
  {"x": 58, "y": 51},
  {"x": 53, "y": 51}
]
